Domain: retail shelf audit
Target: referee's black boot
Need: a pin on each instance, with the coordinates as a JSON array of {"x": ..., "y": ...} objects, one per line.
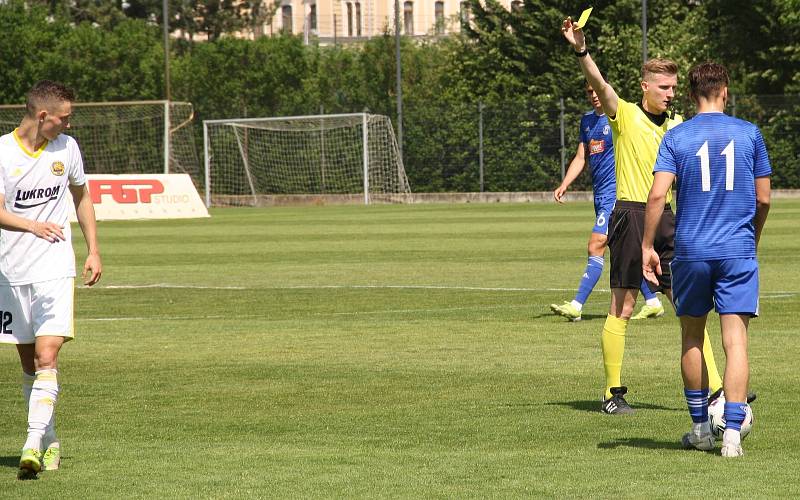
[{"x": 616, "y": 404}]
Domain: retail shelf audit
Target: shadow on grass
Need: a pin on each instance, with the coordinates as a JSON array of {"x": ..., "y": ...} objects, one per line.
[
  {"x": 646, "y": 443},
  {"x": 593, "y": 406},
  {"x": 10, "y": 462},
  {"x": 584, "y": 317}
]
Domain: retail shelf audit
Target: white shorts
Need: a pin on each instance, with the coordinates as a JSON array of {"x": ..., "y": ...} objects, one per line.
[{"x": 37, "y": 309}]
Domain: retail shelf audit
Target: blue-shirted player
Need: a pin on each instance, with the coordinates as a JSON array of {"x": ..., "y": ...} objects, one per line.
[
  {"x": 722, "y": 172},
  {"x": 596, "y": 146}
]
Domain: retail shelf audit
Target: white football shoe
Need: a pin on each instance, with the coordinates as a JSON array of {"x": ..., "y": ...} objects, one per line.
[
  {"x": 703, "y": 441},
  {"x": 731, "y": 450}
]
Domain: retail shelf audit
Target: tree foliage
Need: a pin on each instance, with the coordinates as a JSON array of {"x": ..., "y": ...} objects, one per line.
[{"x": 510, "y": 69}]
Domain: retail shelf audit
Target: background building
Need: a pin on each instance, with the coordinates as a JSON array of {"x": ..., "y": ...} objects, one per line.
[{"x": 350, "y": 20}]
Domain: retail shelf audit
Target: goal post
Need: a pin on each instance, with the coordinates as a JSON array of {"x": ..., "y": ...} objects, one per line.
[
  {"x": 250, "y": 161},
  {"x": 131, "y": 137}
]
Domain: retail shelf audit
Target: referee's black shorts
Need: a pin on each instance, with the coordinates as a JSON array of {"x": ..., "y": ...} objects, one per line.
[{"x": 626, "y": 229}]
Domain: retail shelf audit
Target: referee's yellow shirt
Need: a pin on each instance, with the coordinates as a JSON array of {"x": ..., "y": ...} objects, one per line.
[{"x": 636, "y": 140}]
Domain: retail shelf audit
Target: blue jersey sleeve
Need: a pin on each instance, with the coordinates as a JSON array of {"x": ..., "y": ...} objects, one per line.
[
  {"x": 665, "y": 161},
  {"x": 761, "y": 165}
]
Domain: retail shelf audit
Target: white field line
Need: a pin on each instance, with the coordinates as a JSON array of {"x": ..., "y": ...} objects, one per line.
[{"x": 168, "y": 285}]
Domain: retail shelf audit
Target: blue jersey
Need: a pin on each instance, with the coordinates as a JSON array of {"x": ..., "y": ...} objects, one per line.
[
  {"x": 596, "y": 135},
  {"x": 715, "y": 159}
]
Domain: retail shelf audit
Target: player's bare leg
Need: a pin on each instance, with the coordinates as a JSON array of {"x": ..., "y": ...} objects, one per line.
[
  {"x": 42, "y": 358},
  {"x": 695, "y": 382},
  {"x": 714, "y": 379},
  {"x": 737, "y": 376}
]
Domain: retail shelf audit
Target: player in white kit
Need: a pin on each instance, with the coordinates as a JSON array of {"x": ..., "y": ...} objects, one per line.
[{"x": 38, "y": 165}]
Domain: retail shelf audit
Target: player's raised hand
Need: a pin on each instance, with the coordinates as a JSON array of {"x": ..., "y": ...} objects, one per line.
[
  {"x": 559, "y": 193},
  {"x": 47, "y": 231},
  {"x": 573, "y": 34},
  {"x": 651, "y": 265},
  {"x": 92, "y": 270}
]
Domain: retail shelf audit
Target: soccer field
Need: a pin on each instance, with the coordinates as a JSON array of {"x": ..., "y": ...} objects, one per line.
[{"x": 387, "y": 351}]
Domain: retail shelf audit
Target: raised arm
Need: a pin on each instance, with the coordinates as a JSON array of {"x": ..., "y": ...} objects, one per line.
[
  {"x": 93, "y": 267},
  {"x": 573, "y": 171},
  {"x": 762, "y": 205},
  {"x": 606, "y": 94}
]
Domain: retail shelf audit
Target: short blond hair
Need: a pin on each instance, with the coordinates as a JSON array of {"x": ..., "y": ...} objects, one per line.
[{"x": 658, "y": 66}]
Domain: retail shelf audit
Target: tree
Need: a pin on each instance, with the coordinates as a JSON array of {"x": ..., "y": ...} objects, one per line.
[{"x": 27, "y": 36}]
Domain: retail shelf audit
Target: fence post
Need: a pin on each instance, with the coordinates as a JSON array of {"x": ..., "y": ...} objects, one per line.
[
  {"x": 733, "y": 105},
  {"x": 480, "y": 142},
  {"x": 563, "y": 145}
]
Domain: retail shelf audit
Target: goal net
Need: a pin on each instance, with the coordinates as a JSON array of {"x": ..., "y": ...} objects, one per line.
[
  {"x": 254, "y": 161},
  {"x": 128, "y": 137}
]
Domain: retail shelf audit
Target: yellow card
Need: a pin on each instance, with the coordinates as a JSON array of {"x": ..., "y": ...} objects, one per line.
[{"x": 581, "y": 22}]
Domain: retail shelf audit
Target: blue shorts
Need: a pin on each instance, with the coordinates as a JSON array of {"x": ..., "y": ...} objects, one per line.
[
  {"x": 730, "y": 286},
  {"x": 602, "y": 212}
]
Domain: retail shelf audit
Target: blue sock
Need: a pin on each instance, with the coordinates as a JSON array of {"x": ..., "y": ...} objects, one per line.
[
  {"x": 594, "y": 268},
  {"x": 646, "y": 290},
  {"x": 697, "y": 400},
  {"x": 734, "y": 415}
]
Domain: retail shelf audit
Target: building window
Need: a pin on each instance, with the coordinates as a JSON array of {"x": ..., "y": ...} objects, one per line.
[
  {"x": 439, "y": 13},
  {"x": 408, "y": 18},
  {"x": 349, "y": 19},
  {"x": 286, "y": 19},
  {"x": 312, "y": 17},
  {"x": 516, "y": 6},
  {"x": 465, "y": 14},
  {"x": 358, "y": 19}
]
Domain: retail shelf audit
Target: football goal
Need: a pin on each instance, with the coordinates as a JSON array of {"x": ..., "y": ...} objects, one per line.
[
  {"x": 136, "y": 137},
  {"x": 254, "y": 161}
]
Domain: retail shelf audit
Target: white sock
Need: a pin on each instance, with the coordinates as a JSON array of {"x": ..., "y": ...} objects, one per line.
[
  {"x": 654, "y": 302},
  {"x": 577, "y": 305},
  {"x": 44, "y": 394},
  {"x": 50, "y": 438},
  {"x": 27, "y": 387}
]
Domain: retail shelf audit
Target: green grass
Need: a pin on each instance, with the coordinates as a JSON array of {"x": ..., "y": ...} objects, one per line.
[{"x": 386, "y": 351}]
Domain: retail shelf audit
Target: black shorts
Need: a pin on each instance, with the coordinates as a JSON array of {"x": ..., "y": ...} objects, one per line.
[{"x": 626, "y": 229}]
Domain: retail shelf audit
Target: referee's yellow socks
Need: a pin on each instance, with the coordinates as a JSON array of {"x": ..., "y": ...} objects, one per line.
[
  {"x": 613, "y": 341},
  {"x": 714, "y": 380}
]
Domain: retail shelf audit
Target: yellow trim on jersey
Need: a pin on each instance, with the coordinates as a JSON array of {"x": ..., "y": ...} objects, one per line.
[
  {"x": 34, "y": 154},
  {"x": 636, "y": 140}
]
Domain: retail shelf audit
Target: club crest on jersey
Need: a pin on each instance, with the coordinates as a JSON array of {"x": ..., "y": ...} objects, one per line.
[
  {"x": 36, "y": 197},
  {"x": 596, "y": 147},
  {"x": 57, "y": 168},
  {"x": 606, "y": 130}
]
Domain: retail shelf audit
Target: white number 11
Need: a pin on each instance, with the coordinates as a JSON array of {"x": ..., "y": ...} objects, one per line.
[{"x": 705, "y": 166}]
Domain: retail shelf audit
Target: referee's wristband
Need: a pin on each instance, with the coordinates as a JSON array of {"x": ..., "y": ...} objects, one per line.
[{"x": 582, "y": 53}]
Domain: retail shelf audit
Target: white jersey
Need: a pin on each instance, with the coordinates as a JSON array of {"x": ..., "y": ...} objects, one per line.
[{"x": 35, "y": 186}]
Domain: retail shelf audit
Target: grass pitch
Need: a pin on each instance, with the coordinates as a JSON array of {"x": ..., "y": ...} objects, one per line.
[{"x": 387, "y": 351}]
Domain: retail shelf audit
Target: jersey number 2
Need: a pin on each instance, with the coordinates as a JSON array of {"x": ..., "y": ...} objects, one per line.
[
  {"x": 5, "y": 323},
  {"x": 705, "y": 166}
]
